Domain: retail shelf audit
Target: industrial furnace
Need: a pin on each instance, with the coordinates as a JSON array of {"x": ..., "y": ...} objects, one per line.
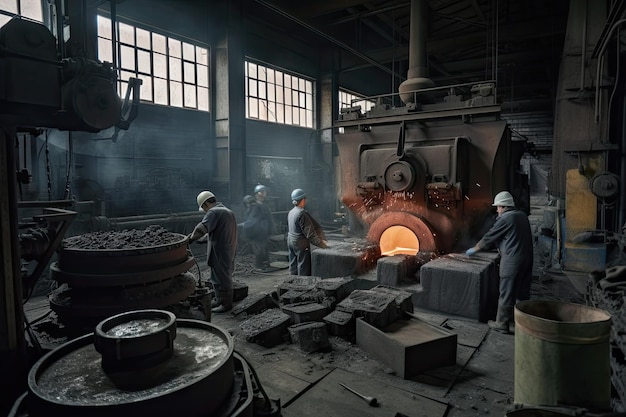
[{"x": 422, "y": 177}]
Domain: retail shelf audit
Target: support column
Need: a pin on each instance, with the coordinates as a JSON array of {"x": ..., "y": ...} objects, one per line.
[
  {"x": 13, "y": 366},
  {"x": 230, "y": 110}
]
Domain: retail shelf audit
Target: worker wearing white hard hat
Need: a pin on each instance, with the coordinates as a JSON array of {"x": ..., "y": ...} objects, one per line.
[
  {"x": 304, "y": 231},
  {"x": 512, "y": 236},
  {"x": 220, "y": 225}
]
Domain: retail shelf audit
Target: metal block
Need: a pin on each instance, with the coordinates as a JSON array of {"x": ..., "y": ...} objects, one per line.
[
  {"x": 240, "y": 290},
  {"x": 267, "y": 329},
  {"x": 374, "y": 307},
  {"x": 460, "y": 285},
  {"x": 342, "y": 262},
  {"x": 297, "y": 283},
  {"x": 403, "y": 298},
  {"x": 254, "y": 304},
  {"x": 309, "y": 336},
  {"x": 305, "y": 312},
  {"x": 338, "y": 288},
  {"x": 392, "y": 270},
  {"x": 340, "y": 324},
  {"x": 409, "y": 347}
]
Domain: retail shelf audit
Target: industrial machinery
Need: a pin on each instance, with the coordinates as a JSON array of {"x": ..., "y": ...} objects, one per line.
[
  {"x": 47, "y": 82},
  {"x": 422, "y": 176}
]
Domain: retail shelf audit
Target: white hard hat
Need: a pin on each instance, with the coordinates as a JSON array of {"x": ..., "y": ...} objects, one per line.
[
  {"x": 504, "y": 199},
  {"x": 203, "y": 197}
]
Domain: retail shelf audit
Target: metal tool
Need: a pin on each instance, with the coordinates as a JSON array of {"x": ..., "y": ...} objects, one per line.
[{"x": 369, "y": 400}]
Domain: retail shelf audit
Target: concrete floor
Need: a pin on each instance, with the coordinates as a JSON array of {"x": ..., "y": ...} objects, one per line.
[{"x": 481, "y": 383}]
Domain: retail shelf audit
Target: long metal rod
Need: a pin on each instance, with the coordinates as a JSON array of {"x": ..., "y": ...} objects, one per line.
[{"x": 330, "y": 38}]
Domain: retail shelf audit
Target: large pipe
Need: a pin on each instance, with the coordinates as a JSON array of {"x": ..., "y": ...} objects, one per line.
[{"x": 417, "y": 75}]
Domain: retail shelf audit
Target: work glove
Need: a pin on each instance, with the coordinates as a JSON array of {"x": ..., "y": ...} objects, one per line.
[{"x": 470, "y": 251}]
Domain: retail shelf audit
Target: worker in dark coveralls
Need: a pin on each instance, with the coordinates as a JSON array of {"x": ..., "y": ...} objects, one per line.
[
  {"x": 304, "y": 231},
  {"x": 512, "y": 236},
  {"x": 220, "y": 225},
  {"x": 258, "y": 227}
]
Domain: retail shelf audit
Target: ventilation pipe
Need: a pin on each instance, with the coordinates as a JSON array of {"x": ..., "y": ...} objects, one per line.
[{"x": 417, "y": 75}]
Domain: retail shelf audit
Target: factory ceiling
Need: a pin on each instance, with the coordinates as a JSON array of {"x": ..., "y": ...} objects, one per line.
[{"x": 518, "y": 43}]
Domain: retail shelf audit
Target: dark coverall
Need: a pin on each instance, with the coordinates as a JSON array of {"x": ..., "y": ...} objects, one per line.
[
  {"x": 221, "y": 227},
  {"x": 303, "y": 231},
  {"x": 257, "y": 229},
  {"x": 512, "y": 236}
]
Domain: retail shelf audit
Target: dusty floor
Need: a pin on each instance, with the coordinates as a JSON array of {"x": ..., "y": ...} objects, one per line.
[{"x": 480, "y": 384}]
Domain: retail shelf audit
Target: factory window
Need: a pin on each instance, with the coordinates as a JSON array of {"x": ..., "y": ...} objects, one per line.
[
  {"x": 28, "y": 9},
  {"x": 173, "y": 72},
  {"x": 279, "y": 97},
  {"x": 350, "y": 99}
]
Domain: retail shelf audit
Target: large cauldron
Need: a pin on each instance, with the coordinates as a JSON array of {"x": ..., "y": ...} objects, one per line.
[
  {"x": 197, "y": 378},
  {"x": 106, "y": 273}
]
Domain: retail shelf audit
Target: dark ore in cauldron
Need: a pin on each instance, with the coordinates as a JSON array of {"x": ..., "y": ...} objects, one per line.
[{"x": 126, "y": 239}]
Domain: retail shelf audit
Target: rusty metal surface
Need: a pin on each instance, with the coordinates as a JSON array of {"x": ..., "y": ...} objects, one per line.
[{"x": 442, "y": 185}]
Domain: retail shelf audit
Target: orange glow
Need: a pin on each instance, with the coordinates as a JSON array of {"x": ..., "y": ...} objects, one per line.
[{"x": 398, "y": 240}]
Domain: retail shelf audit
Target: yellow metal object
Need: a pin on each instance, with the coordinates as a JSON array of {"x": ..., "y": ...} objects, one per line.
[{"x": 581, "y": 207}]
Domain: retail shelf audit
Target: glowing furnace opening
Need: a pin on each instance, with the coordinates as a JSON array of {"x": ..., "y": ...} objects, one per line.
[{"x": 398, "y": 240}]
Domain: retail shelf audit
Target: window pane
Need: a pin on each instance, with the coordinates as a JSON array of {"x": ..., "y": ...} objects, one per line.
[
  {"x": 189, "y": 52},
  {"x": 189, "y": 73},
  {"x": 271, "y": 92},
  {"x": 203, "y": 75},
  {"x": 160, "y": 65},
  {"x": 254, "y": 108},
  {"x": 32, "y": 9},
  {"x": 202, "y": 56},
  {"x": 127, "y": 34},
  {"x": 190, "y": 95},
  {"x": 279, "y": 95},
  {"x": 287, "y": 97},
  {"x": 123, "y": 86},
  {"x": 145, "y": 92},
  {"x": 309, "y": 102},
  {"x": 176, "y": 94},
  {"x": 175, "y": 69},
  {"x": 262, "y": 110},
  {"x": 271, "y": 112},
  {"x": 203, "y": 99},
  {"x": 252, "y": 73},
  {"x": 287, "y": 81},
  {"x": 262, "y": 73},
  {"x": 160, "y": 91},
  {"x": 308, "y": 87},
  {"x": 280, "y": 113},
  {"x": 158, "y": 43},
  {"x": 105, "y": 53},
  {"x": 125, "y": 75},
  {"x": 288, "y": 118},
  {"x": 252, "y": 88},
  {"x": 296, "y": 116},
  {"x": 9, "y": 5},
  {"x": 270, "y": 76},
  {"x": 127, "y": 58},
  {"x": 143, "y": 38},
  {"x": 294, "y": 98},
  {"x": 143, "y": 62},
  {"x": 262, "y": 90},
  {"x": 279, "y": 78},
  {"x": 4, "y": 19},
  {"x": 309, "y": 118},
  {"x": 174, "y": 47},
  {"x": 301, "y": 84}
]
